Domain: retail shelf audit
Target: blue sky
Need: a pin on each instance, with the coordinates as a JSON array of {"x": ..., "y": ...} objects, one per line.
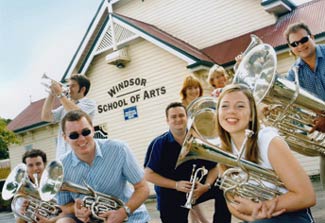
[{"x": 38, "y": 36}]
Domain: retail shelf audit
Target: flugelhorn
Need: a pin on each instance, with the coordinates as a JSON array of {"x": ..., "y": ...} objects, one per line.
[
  {"x": 52, "y": 182},
  {"x": 26, "y": 202},
  {"x": 48, "y": 81},
  {"x": 196, "y": 176}
]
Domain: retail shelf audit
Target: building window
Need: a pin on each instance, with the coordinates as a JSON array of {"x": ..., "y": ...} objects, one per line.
[{"x": 100, "y": 132}]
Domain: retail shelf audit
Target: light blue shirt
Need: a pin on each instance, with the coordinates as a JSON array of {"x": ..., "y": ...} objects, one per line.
[
  {"x": 312, "y": 81},
  {"x": 113, "y": 167}
]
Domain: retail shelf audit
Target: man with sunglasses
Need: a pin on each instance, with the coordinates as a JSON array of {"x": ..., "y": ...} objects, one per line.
[
  {"x": 311, "y": 69},
  {"x": 310, "y": 61},
  {"x": 79, "y": 86},
  {"x": 107, "y": 166}
]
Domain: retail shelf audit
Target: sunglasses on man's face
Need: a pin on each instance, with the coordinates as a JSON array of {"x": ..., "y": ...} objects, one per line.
[
  {"x": 302, "y": 41},
  {"x": 75, "y": 135}
]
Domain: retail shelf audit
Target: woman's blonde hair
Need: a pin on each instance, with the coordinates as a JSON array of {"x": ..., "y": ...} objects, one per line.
[
  {"x": 214, "y": 70},
  {"x": 190, "y": 81},
  {"x": 252, "y": 152}
]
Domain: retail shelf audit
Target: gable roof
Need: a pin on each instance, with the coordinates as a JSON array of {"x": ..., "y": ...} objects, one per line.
[
  {"x": 30, "y": 117},
  {"x": 100, "y": 24},
  {"x": 166, "y": 38},
  {"x": 222, "y": 53},
  {"x": 311, "y": 13}
]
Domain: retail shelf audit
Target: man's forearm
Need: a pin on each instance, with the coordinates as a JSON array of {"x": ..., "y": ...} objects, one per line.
[
  {"x": 68, "y": 104},
  {"x": 159, "y": 180},
  {"x": 47, "y": 109},
  {"x": 140, "y": 194}
]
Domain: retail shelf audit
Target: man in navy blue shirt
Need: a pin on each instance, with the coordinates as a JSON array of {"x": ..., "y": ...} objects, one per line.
[
  {"x": 173, "y": 183},
  {"x": 311, "y": 69}
]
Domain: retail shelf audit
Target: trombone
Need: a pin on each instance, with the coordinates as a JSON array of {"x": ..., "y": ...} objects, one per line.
[{"x": 48, "y": 81}]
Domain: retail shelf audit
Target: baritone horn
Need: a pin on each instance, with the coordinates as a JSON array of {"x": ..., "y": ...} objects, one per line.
[
  {"x": 196, "y": 176},
  {"x": 245, "y": 178},
  {"x": 26, "y": 202},
  {"x": 48, "y": 81},
  {"x": 52, "y": 182}
]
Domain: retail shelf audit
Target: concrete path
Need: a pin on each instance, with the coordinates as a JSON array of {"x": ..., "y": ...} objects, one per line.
[{"x": 318, "y": 210}]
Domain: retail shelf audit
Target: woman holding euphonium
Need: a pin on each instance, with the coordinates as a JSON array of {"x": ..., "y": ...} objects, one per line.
[{"x": 236, "y": 112}]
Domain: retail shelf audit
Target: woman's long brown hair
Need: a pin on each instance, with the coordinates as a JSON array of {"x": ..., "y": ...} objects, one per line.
[{"x": 252, "y": 151}]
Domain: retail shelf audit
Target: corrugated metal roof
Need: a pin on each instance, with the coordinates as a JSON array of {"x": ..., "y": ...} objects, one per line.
[
  {"x": 30, "y": 116},
  {"x": 311, "y": 13}
]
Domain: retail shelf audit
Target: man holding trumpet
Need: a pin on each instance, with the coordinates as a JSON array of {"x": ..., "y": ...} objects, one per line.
[
  {"x": 79, "y": 86},
  {"x": 174, "y": 184}
]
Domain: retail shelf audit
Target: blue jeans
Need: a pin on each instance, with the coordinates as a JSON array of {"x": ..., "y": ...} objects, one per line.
[{"x": 303, "y": 216}]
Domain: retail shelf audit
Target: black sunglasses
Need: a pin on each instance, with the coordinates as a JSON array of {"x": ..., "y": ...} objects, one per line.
[
  {"x": 75, "y": 135},
  {"x": 302, "y": 41}
]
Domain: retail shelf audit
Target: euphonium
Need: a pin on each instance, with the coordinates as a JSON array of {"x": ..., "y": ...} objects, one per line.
[
  {"x": 26, "y": 202},
  {"x": 49, "y": 81},
  {"x": 246, "y": 179},
  {"x": 52, "y": 182},
  {"x": 196, "y": 176}
]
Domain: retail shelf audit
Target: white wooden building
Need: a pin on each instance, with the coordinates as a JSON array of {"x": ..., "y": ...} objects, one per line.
[{"x": 138, "y": 55}]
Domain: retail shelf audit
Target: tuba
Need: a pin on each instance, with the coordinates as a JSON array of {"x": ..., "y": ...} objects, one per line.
[
  {"x": 292, "y": 109},
  {"x": 245, "y": 178},
  {"x": 26, "y": 202},
  {"x": 52, "y": 182}
]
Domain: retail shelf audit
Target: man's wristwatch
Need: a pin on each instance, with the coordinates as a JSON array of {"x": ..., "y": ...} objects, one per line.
[
  {"x": 60, "y": 95},
  {"x": 127, "y": 210}
]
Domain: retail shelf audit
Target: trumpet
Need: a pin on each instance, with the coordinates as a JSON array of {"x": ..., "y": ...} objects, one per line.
[
  {"x": 26, "y": 202},
  {"x": 48, "y": 83},
  {"x": 52, "y": 182},
  {"x": 194, "y": 178}
]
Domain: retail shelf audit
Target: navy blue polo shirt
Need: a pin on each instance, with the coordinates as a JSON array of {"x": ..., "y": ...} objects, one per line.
[{"x": 161, "y": 157}]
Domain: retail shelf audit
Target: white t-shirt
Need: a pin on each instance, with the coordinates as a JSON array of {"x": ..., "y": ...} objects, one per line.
[{"x": 265, "y": 136}]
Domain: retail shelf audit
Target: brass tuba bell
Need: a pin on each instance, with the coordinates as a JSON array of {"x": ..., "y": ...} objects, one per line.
[
  {"x": 292, "y": 109},
  {"x": 18, "y": 182}
]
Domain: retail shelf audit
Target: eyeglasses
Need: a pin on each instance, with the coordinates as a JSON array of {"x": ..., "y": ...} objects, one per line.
[
  {"x": 302, "y": 41},
  {"x": 75, "y": 135}
]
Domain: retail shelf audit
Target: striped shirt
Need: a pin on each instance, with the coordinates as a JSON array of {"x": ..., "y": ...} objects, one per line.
[
  {"x": 113, "y": 167},
  {"x": 312, "y": 81}
]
